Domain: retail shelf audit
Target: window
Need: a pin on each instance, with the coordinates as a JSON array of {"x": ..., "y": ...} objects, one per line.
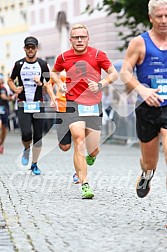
[
  {"x": 52, "y": 13},
  {"x": 7, "y": 50},
  {"x": 32, "y": 18},
  {"x": 41, "y": 16},
  {"x": 31, "y": 1},
  {"x": 77, "y": 8}
]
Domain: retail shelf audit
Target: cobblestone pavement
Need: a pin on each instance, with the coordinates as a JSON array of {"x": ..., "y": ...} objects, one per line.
[{"x": 46, "y": 213}]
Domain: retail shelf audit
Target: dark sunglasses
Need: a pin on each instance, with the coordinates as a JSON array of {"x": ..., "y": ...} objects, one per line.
[{"x": 30, "y": 47}]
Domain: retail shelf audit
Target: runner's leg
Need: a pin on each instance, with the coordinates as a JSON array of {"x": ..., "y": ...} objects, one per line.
[
  {"x": 92, "y": 141},
  {"x": 37, "y": 138},
  {"x": 78, "y": 135},
  {"x": 150, "y": 154}
]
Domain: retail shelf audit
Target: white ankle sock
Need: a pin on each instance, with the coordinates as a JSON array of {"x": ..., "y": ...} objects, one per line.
[{"x": 149, "y": 174}]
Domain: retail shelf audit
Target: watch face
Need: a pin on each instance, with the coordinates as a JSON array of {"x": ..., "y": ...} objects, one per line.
[{"x": 99, "y": 85}]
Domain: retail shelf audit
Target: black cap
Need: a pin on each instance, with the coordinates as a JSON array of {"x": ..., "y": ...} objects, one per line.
[{"x": 31, "y": 41}]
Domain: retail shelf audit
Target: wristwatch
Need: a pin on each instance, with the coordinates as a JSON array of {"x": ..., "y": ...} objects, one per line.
[{"x": 99, "y": 86}]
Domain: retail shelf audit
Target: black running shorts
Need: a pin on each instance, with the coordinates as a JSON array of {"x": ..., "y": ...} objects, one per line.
[
  {"x": 149, "y": 121},
  {"x": 71, "y": 116}
]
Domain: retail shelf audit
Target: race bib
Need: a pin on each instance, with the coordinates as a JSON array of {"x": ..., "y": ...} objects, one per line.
[
  {"x": 162, "y": 85},
  {"x": 2, "y": 110},
  {"x": 31, "y": 107},
  {"x": 84, "y": 110}
]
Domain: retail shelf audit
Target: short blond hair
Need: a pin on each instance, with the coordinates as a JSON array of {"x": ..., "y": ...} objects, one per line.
[{"x": 78, "y": 26}]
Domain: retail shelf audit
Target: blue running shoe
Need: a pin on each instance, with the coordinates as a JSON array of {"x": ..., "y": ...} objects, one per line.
[
  {"x": 34, "y": 169},
  {"x": 76, "y": 179},
  {"x": 25, "y": 157}
]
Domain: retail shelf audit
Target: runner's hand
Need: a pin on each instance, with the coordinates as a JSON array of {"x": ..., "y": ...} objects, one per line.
[
  {"x": 37, "y": 80},
  {"x": 151, "y": 97},
  {"x": 62, "y": 87},
  {"x": 93, "y": 86},
  {"x": 18, "y": 90},
  {"x": 53, "y": 102}
]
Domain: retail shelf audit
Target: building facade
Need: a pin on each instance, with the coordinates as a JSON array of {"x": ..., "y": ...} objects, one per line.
[
  {"x": 13, "y": 28},
  {"x": 50, "y": 21}
]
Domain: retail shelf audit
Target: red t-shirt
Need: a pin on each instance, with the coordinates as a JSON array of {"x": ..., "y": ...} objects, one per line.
[{"x": 80, "y": 68}]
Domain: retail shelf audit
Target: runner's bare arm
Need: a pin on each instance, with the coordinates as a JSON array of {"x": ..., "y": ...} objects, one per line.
[
  {"x": 55, "y": 78},
  {"x": 13, "y": 87},
  {"x": 109, "y": 79},
  {"x": 135, "y": 55}
]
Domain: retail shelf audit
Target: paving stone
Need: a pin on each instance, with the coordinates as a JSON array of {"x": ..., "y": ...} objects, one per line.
[{"x": 46, "y": 213}]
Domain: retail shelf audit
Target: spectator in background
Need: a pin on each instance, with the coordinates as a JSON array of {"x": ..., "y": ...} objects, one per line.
[{"x": 4, "y": 112}]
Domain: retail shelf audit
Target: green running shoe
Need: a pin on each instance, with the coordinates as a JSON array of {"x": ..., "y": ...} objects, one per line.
[
  {"x": 90, "y": 160},
  {"x": 87, "y": 191}
]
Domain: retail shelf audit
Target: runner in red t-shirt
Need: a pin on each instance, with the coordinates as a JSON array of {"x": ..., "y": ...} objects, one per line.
[{"x": 82, "y": 88}]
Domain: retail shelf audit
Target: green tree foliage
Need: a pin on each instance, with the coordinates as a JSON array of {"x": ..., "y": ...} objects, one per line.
[{"x": 132, "y": 14}]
